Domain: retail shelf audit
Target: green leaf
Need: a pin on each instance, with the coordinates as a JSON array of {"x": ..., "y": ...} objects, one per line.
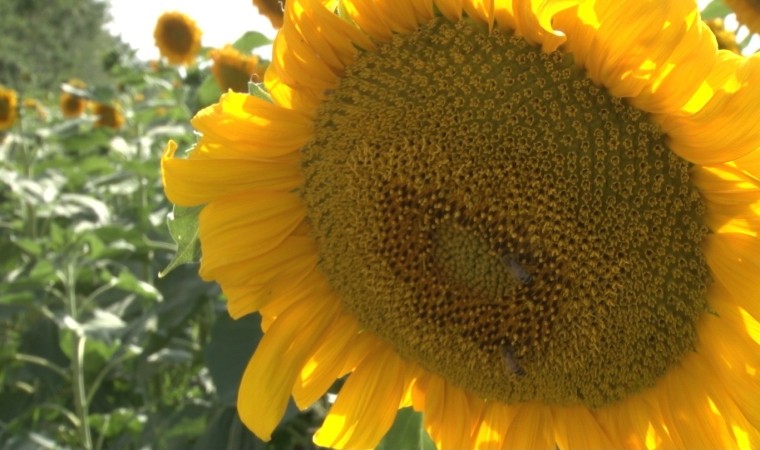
[
  {"x": 251, "y": 40},
  {"x": 407, "y": 433},
  {"x": 129, "y": 282},
  {"x": 232, "y": 345},
  {"x": 183, "y": 226},
  {"x": 208, "y": 92},
  {"x": 258, "y": 90},
  {"x": 715, "y": 9}
]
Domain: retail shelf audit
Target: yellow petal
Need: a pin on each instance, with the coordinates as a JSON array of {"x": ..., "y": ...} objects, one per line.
[
  {"x": 448, "y": 415},
  {"x": 451, "y": 9},
  {"x": 340, "y": 345},
  {"x": 367, "y": 403},
  {"x": 250, "y": 126},
  {"x": 575, "y": 427},
  {"x": 294, "y": 281},
  {"x": 496, "y": 419},
  {"x": 686, "y": 407},
  {"x": 263, "y": 268},
  {"x": 531, "y": 428},
  {"x": 732, "y": 257},
  {"x": 269, "y": 376},
  {"x": 190, "y": 182},
  {"x": 365, "y": 14}
]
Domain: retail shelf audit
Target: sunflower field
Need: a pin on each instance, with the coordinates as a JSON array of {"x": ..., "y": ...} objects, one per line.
[{"x": 433, "y": 224}]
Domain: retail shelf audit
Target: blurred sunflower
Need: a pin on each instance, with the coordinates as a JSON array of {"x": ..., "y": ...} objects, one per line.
[
  {"x": 8, "y": 107},
  {"x": 73, "y": 99},
  {"x": 271, "y": 9},
  {"x": 177, "y": 37},
  {"x": 726, "y": 39},
  {"x": 233, "y": 70},
  {"x": 108, "y": 115},
  {"x": 536, "y": 222},
  {"x": 33, "y": 105},
  {"x": 747, "y": 12}
]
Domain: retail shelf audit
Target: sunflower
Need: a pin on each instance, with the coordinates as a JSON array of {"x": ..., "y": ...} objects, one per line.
[
  {"x": 726, "y": 39},
  {"x": 536, "y": 222},
  {"x": 108, "y": 115},
  {"x": 233, "y": 70},
  {"x": 73, "y": 99},
  {"x": 178, "y": 38},
  {"x": 32, "y": 104},
  {"x": 8, "y": 107},
  {"x": 271, "y": 9},
  {"x": 747, "y": 12}
]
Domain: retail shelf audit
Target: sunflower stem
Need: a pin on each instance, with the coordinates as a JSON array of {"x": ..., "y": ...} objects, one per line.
[{"x": 77, "y": 365}]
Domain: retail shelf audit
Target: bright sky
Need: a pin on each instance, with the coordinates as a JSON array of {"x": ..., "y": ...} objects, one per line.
[{"x": 222, "y": 21}]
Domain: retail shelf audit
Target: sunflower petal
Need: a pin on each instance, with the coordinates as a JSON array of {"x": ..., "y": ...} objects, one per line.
[
  {"x": 367, "y": 403},
  {"x": 271, "y": 373}
]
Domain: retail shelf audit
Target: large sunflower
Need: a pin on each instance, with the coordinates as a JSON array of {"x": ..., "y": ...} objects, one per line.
[
  {"x": 8, "y": 107},
  {"x": 233, "y": 70},
  {"x": 177, "y": 37},
  {"x": 747, "y": 12},
  {"x": 535, "y": 221}
]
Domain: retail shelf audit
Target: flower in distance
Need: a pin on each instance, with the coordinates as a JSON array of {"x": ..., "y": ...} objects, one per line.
[
  {"x": 178, "y": 38},
  {"x": 271, "y": 9},
  {"x": 726, "y": 39},
  {"x": 8, "y": 107},
  {"x": 73, "y": 100},
  {"x": 537, "y": 224},
  {"x": 108, "y": 115},
  {"x": 233, "y": 70}
]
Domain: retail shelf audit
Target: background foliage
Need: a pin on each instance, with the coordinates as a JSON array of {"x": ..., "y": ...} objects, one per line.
[
  {"x": 96, "y": 350},
  {"x": 45, "y": 42}
]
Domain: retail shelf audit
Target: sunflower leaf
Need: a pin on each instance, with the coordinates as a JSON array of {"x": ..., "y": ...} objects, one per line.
[
  {"x": 715, "y": 9},
  {"x": 183, "y": 226},
  {"x": 258, "y": 90},
  {"x": 251, "y": 40},
  {"x": 407, "y": 433}
]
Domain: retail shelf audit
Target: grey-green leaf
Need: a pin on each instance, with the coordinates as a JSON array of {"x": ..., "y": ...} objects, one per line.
[
  {"x": 407, "y": 433},
  {"x": 250, "y": 41},
  {"x": 183, "y": 226}
]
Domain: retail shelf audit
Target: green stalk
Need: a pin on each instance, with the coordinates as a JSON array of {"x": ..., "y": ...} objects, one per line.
[{"x": 77, "y": 366}]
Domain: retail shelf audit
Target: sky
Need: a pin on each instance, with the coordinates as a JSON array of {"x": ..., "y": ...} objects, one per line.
[{"x": 222, "y": 21}]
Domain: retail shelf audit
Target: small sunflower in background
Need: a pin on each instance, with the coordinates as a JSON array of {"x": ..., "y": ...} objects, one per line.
[
  {"x": 747, "y": 13},
  {"x": 233, "y": 70},
  {"x": 536, "y": 222},
  {"x": 34, "y": 105},
  {"x": 272, "y": 10},
  {"x": 108, "y": 115},
  {"x": 178, "y": 38},
  {"x": 8, "y": 107},
  {"x": 73, "y": 100},
  {"x": 726, "y": 39}
]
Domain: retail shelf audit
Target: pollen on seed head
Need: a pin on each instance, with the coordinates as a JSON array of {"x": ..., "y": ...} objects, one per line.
[{"x": 473, "y": 197}]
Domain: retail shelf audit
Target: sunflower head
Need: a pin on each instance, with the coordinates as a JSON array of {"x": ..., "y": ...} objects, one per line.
[
  {"x": 272, "y": 10},
  {"x": 108, "y": 115},
  {"x": 8, "y": 107},
  {"x": 536, "y": 222},
  {"x": 73, "y": 100},
  {"x": 233, "y": 70},
  {"x": 177, "y": 37}
]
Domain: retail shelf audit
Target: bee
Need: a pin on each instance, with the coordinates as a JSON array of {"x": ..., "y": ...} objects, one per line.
[
  {"x": 508, "y": 358},
  {"x": 517, "y": 270}
]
